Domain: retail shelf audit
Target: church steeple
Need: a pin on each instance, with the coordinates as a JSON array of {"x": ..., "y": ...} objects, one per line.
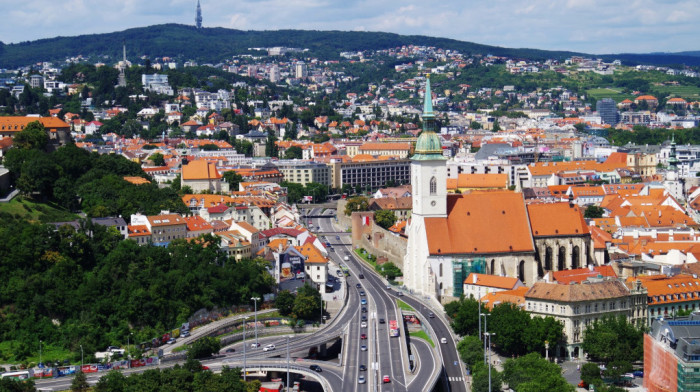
[
  {"x": 428, "y": 145},
  {"x": 198, "y": 17},
  {"x": 672, "y": 159}
]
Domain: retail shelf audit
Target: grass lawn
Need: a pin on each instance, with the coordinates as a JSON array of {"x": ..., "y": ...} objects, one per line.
[
  {"x": 37, "y": 212},
  {"x": 364, "y": 256},
  {"x": 422, "y": 335},
  {"x": 405, "y": 306},
  {"x": 48, "y": 353},
  {"x": 688, "y": 92},
  {"x": 600, "y": 93}
]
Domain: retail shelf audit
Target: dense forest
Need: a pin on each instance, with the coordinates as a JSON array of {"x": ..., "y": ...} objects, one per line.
[
  {"x": 92, "y": 288},
  {"x": 215, "y": 44},
  {"x": 78, "y": 180}
]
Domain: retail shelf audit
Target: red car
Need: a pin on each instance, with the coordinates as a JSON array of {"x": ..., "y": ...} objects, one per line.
[
  {"x": 386, "y": 379},
  {"x": 363, "y": 336}
]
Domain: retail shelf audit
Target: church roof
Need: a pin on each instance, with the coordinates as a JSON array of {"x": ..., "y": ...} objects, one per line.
[
  {"x": 428, "y": 145},
  {"x": 476, "y": 223},
  {"x": 556, "y": 219}
]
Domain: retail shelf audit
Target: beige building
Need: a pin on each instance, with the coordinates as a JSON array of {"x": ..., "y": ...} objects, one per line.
[
  {"x": 304, "y": 172},
  {"x": 642, "y": 164},
  {"x": 579, "y": 305},
  {"x": 201, "y": 175},
  {"x": 400, "y": 150},
  {"x": 164, "y": 228}
]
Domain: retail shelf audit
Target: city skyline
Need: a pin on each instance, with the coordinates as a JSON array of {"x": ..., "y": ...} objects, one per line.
[{"x": 641, "y": 26}]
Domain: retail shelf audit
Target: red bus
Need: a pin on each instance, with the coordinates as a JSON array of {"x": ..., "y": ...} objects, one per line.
[{"x": 393, "y": 328}]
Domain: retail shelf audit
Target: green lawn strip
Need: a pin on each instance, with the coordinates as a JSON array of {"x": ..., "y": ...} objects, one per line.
[
  {"x": 404, "y": 306},
  {"x": 29, "y": 210},
  {"x": 422, "y": 335}
]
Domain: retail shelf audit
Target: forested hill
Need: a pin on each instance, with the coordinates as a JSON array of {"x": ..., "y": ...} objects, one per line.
[{"x": 215, "y": 44}]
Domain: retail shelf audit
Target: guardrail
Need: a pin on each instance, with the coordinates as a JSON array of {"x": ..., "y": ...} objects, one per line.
[{"x": 283, "y": 367}]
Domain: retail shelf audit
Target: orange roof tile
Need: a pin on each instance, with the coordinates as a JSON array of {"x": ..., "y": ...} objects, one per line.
[
  {"x": 579, "y": 275},
  {"x": 476, "y": 222},
  {"x": 556, "y": 219},
  {"x": 516, "y": 297},
  {"x": 485, "y": 280},
  {"x": 662, "y": 289},
  {"x": 200, "y": 170}
]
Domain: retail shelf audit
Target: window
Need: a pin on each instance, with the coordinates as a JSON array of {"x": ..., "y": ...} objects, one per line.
[{"x": 433, "y": 186}]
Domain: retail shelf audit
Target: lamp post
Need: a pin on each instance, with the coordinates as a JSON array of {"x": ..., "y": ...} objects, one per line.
[
  {"x": 485, "y": 333},
  {"x": 40, "y": 361},
  {"x": 81, "y": 357},
  {"x": 488, "y": 335},
  {"x": 321, "y": 320},
  {"x": 256, "y": 299},
  {"x": 245, "y": 321},
  {"x": 287, "y": 362},
  {"x": 128, "y": 343}
]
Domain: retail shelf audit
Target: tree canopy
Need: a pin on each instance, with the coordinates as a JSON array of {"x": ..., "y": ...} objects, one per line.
[
  {"x": 531, "y": 373},
  {"x": 613, "y": 339}
]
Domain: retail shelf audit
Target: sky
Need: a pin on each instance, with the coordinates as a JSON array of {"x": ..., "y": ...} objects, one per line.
[{"x": 589, "y": 26}]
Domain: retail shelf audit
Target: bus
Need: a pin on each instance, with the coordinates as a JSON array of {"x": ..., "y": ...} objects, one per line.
[
  {"x": 345, "y": 270},
  {"x": 19, "y": 375},
  {"x": 393, "y": 328}
]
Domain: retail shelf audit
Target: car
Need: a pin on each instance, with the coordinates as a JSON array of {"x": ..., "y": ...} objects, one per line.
[
  {"x": 254, "y": 345},
  {"x": 431, "y": 315},
  {"x": 583, "y": 384},
  {"x": 331, "y": 249},
  {"x": 364, "y": 309},
  {"x": 443, "y": 340},
  {"x": 361, "y": 380},
  {"x": 269, "y": 347},
  {"x": 337, "y": 237},
  {"x": 363, "y": 324},
  {"x": 230, "y": 350},
  {"x": 363, "y": 348},
  {"x": 638, "y": 373},
  {"x": 388, "y": 287},
  {"x": 205, "y": 367},
  {"x": 364, "y": 318},
  {"x": 171, "y": 341},
  {"x": 628, "y": 375},
  {"x": 346, "y": 258},
  {"x": 400, "y": 293},
  {"x": 363, "y": 301},
  {"x": 363, "y": 368},
  {"x": 363, "y": 336},
  {"x": 361, "y": 276},
  {"x": 386, "y": 379},
  {"x": 362, "y": 293},
  {"x": 359, "y": 286},
  {"x": 381, "y": 321},
  {"x": 315, "y": 368},
  {"x": 185, "y": 334}
]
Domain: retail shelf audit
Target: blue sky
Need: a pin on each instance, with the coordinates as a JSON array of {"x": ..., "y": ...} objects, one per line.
[{"x": 592, "y": 26}]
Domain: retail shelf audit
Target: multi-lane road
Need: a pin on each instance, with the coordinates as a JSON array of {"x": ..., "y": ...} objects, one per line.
[{"x": 364, "y": 360}]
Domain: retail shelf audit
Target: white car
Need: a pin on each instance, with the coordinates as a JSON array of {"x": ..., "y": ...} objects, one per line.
[
  {"x": 361, "y": 380},
  {"x": 363, "y": 324},
  {"x": 254, "y": 345},
  {"x": 269, "y": 347},
  {"x": 443, "y": 340}
]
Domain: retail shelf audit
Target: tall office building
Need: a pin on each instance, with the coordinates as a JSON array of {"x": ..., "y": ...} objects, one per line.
[
  {"x": 274, "y": 74},
  {"x": 607, "y": 110},
  {"x": 302, "y": 72}
]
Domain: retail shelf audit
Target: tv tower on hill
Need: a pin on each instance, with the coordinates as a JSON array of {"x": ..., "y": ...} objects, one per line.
[{"x": 198, "y": 17}]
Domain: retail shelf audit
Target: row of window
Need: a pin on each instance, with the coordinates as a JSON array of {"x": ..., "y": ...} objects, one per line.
[
  {"x": 578, "y": 309},
  {"x": 671, "y": 297}
]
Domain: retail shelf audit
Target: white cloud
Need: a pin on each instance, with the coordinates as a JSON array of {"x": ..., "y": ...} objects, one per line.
[{"x": 596, "y": 26}]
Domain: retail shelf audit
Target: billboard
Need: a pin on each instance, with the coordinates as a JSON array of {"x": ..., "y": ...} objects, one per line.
[{"x": 291, "y": 265}]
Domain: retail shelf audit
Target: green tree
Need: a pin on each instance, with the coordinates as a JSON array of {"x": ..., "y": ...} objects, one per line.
[
  {"x": 307, "y": 304},
  {"x": 534, "y": 373},
  {"x": 389, "y": 270},
  {"x": 480, "y": 378},
  {"x": 38, "y": 176},
  {"x": 385, "y": 218},
  {"x": 613, "y": 339},
  {"x": 465, "y": 316},
  {"x": 157, "y": 159},
  {"x": 355, "y": 204},
  {"x": 294, "y": 191},
  {"x": 130, "y": 129},
  {"x": 318, "y": 191},
  {"x": 113, "y": 381},
  {"x": 294, "y": 152},
  {"x": 590, "y": 373},
  {"x": 33, "y": 136},
  {"x": 203, "y": 348},
  {"x": 471, "y": 350},
  {"x": 79, "y": 383},
  {"x": 292, "y": 133},
  {"x": 509, "y": 323},
  {"x": 271, "y": 149},
  {"x": 593, "y": 211},
  {"x": 285, "y": 302},
  {"x": 233, "y": 178},
  {"x": 475, "y": 125},
  {"x": 616, "y": 369},
  {"x": 496, "y": 126}
]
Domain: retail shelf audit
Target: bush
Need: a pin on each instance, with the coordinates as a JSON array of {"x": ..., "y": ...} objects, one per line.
[{"x": 204, "y": 348}]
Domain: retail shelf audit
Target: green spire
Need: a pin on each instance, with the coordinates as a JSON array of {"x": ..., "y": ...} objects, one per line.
[{"x": 428, "y": 101}]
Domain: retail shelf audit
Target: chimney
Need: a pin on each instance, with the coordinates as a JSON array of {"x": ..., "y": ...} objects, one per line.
[
  {"x": 571, "y": 200},
  {"x": 474, "y": 279},
  {"x": 590, "y": 267}
]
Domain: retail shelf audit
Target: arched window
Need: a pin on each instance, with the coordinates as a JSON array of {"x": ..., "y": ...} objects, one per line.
[{"x": 433, "y": 186}]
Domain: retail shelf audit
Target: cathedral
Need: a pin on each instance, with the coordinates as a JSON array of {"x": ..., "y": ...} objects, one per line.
[{"x": 492, "y": 232}]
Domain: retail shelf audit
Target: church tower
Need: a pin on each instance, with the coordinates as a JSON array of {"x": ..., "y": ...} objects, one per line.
[
  {"x": 198, "y": 17},
  {"x": 429, "y": 194},
  {"x": 428, "y": 166}
]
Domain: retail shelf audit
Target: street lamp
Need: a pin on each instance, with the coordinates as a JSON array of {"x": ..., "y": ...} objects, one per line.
[
  {"x": 287, "y": 362},
  {"x": 321, "y": 320},
  {"x": 81, "y": 357},
  {"x": 256, "y": 299},
  {"x": 245, "y": 321},
  {"x": 128, "y": 343},
  {"x": 488, "y": 335},
  {"x": 40, "y": 361},
  {"x": 485, "y": 315}
]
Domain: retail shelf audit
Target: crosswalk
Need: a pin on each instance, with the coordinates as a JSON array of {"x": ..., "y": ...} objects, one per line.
[{"x": 455, "y": 379}]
